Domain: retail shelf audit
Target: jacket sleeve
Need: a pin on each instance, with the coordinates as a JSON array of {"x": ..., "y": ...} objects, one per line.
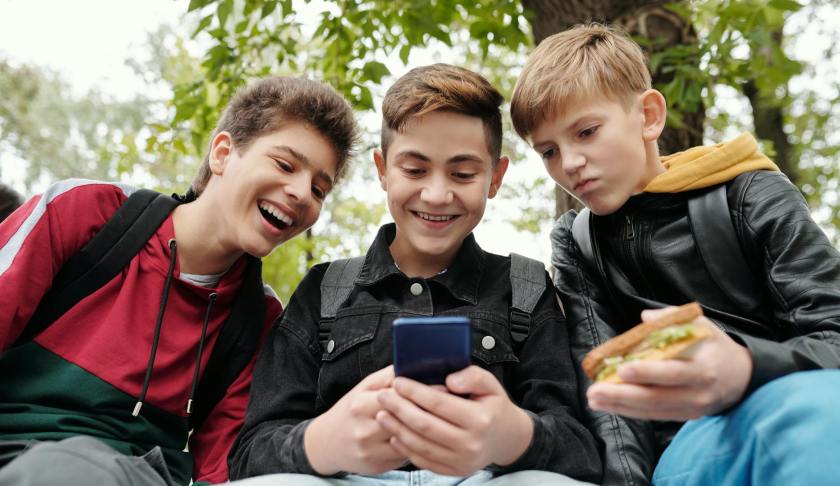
[
  {"x": 284, "y": 390},
  {"x": 39, "y": 237},
  {"x": 801, "y": 270},
  {"x": 211, "y": 444},
  {"x": 546, "y": 387},
  {"x": 627, "y": 444}
]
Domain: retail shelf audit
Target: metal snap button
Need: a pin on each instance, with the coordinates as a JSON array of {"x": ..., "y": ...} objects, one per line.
[
  {"x": 330, "y": 346},
  {"x": 488, "y": 342},
  {"x": 416, "y": 288}
]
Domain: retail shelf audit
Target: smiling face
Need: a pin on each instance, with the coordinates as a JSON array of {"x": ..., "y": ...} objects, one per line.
[
  {"x": 271, "y": 191},
  {"x": 438, "y": 176},
  {"x": 601, "y": 152}
]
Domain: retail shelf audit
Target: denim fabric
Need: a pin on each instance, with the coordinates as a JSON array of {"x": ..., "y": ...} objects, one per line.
[
  {"x": 297, "y": 378},
  {"x": 786, "y": 433},
  {"x": 416, "y": 478}
]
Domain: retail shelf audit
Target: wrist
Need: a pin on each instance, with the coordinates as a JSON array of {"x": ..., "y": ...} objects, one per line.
[
  {"x": 517, "y": 437},
  {"x": 316, "y": 444}
]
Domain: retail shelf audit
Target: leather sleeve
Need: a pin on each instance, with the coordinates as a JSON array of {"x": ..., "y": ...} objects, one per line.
[
  {"x": 801, "y": 270},
  {"x": 628, "y": 451}
]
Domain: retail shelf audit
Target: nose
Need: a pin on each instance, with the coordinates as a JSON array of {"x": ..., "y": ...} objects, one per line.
[
  {"x": 299, "y": 189},
  {"x": 572, "y": 161},
  {"x": 436, "y": 192}
]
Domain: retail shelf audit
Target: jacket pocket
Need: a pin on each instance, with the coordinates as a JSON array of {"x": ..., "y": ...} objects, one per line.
[
  {"x": 492, "y": 345},
  {"x": 346, "y": 353}
]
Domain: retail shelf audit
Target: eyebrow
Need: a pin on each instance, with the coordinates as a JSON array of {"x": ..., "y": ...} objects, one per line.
[
  {"x": 304, "y": 160},
  {"x": 576, "y": 122},
  {"x": 466, "y": 157}
]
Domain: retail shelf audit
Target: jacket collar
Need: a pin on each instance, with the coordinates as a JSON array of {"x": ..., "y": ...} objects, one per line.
[{"x": 461, "y": 279}]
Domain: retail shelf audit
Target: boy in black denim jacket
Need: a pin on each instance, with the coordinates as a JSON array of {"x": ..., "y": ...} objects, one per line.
[{"x": 332, "y": 406}]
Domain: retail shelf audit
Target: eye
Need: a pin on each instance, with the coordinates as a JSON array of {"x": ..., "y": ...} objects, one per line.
[
  {"x": 463, "y": 175},
  {"x": 548, "y": 154},
  {"x": 319, "y": 193},
  {"x": 285, "y": 166},
  {"x": 588, "y": 132},
  {"x": 413, "y": 171}
]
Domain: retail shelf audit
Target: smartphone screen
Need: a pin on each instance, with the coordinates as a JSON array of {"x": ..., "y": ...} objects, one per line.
[{"x": 427, "y": 349}]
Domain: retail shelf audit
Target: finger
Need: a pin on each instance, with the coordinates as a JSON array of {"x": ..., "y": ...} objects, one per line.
[
  {"x": 423, "y": 462},
  {"x": 649, "y": 402},
  {"x": 666, "y": 372},
  {"x": 378, "y": 380},
  {"x": 474, "y": 381},
  {"x": 653, "y": 314},
  {"x": 415, "y": 443},
  {"x": 446, "y": 406},
  {"x": 420, "y": 421},
  {"x": 365, "y": 404}
]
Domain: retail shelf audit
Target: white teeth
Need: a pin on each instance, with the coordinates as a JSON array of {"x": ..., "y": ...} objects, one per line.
[
  {"x": 430, "y": 217},
  {"x": 271, "y": 209}
]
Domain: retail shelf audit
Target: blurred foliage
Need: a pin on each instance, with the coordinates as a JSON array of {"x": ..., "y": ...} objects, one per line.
[{"x": 355, "y": 45}]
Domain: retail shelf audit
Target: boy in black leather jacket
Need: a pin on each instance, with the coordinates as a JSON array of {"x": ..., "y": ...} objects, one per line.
[
  {"x": 584, "y": 102},
  {"x": 325, "y": 400}
]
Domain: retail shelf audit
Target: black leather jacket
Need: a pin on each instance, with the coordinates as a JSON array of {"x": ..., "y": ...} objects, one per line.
[{"x": 649, "y": 239}]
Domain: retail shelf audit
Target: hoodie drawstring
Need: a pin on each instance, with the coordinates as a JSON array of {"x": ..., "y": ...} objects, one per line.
[
  {"x": 197, "y": 370},
  {"x": 163, "y": 299}
]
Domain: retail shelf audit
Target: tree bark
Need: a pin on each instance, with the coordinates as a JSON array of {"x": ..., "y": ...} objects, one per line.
[{"x": 645, "y": 18}]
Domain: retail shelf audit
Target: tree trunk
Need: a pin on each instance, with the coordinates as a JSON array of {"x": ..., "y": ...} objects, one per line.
[
  {"x": 768, "y": 116},
  {"x": 645, "y": 18}
]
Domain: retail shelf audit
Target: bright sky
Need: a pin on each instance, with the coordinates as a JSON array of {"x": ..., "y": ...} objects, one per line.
[{"x": 88, "y": 42}]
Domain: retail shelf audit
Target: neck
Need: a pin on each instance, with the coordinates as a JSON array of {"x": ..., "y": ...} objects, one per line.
[
  {"x": 197, "y": 230},
  {"x": 414, "y": 263}
]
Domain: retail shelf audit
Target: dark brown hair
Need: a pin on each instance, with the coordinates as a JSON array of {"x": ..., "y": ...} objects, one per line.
[
  {"x": 9, "y": 201},
  {"x": 441, "y": 87},
  {"x": 270, "y": 103}
]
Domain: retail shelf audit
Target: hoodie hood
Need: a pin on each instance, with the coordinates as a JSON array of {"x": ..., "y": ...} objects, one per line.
[{"x": 707, "y": 166}]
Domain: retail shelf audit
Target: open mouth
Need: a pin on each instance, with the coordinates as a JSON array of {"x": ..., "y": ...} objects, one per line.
[
  {"x": 274, "y": 216},
  {"x": 435, "y": 218}
]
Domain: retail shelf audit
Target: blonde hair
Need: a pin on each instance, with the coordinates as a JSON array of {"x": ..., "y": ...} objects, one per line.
[{"x": 588, "y": 61}]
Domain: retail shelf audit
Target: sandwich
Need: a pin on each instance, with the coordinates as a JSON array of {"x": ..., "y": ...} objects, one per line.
[{"x": 672, "y": 336}]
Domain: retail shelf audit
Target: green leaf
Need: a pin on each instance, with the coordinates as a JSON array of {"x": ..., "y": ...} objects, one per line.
[
  {"x": 404, "y": 52},
  {"x": 196, "y": 4},
  {"x": 375, "y": 71},
  {"x": 202, "y": 25},
  {"x": 785, "y": 5},
  {"x": 225, "y": 8},
  {"x": 268, "y": 8}
]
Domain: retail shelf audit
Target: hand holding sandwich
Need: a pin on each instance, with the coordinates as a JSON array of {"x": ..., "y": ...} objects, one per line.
[{"x": 676, "y": 365}]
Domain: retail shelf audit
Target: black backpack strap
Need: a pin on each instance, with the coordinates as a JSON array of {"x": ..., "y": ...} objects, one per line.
[
  {"x": 336, "y": 287},
  {"x": 527, "y": 284},
  {"x": 236, "y": 345},
  {"x": 717, "y": 242},
  {"x": 102, "y": 258}
]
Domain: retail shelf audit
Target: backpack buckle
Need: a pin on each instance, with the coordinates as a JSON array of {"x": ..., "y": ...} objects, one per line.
[{"x": 520, "y": 325}]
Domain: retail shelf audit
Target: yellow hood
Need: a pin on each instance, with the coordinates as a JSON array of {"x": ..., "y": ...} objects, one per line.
[{"x": 706, "y": 166}]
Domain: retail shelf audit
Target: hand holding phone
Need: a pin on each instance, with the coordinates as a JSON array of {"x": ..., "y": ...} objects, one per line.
[{"x": 427, "y": 349}]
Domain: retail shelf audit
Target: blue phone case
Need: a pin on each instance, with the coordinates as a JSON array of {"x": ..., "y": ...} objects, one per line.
[{"x": 427, "y": 349}]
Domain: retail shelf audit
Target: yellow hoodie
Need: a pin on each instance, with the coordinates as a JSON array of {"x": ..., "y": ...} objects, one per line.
[{"x": 706, "y": 166}]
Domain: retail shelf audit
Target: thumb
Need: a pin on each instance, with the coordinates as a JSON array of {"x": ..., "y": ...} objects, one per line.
[
  {"x": 473, "y": 380},
  {"x": 378, "y": 380},
  {"x": 653, "y": 314}
]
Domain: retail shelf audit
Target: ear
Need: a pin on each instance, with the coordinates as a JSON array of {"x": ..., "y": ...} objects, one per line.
[
  {"x": 379, "y": 160},
  {"x": 654, "y": 111},
  {"x": 220, "y": 149},
  {"x": 498, "y": 175}
]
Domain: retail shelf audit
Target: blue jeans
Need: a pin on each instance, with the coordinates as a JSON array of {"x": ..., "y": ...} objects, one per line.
[
  {"x": 786, "y": 433},
  {"x": 416, "y": 478}
]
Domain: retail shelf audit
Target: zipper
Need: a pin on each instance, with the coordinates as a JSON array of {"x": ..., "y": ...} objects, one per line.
[{"x": 628, "y": 228}]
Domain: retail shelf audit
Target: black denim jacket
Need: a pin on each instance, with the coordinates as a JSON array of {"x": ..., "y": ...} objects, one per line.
[{"x": 295, "y": 380}]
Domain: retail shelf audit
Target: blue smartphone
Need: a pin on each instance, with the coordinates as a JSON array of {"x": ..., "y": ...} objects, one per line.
[{"x": 427, "y": 349}]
